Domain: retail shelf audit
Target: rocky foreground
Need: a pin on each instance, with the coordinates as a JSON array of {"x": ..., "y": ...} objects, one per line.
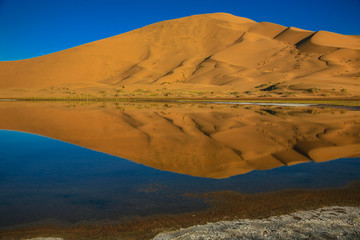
[{"x": 324, "y": 223}]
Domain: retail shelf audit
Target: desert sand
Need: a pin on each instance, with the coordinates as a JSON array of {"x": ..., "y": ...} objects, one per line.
[
  {"x": 205, "y": 140},
  {"x": 209, "y": 55}
]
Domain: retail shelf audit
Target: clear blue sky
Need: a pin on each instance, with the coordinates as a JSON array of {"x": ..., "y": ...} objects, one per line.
[{"x": 30, "y": 28}]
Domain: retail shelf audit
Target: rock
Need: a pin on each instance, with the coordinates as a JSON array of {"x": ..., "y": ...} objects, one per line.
[{"x": 324, "y": 223}]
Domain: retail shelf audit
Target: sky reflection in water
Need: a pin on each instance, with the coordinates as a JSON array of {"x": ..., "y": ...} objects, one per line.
[{"x": 43, "y": 178}]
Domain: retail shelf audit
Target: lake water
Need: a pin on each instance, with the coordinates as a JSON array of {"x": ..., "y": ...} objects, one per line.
[{"x": 187, "y": 149}]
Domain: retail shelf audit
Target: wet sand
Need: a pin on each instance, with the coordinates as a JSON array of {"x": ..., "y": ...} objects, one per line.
[{"x": 223, "y": 206}]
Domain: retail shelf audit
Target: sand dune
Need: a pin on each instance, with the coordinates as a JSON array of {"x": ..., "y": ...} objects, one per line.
[
  {"x": 209, "y": 140},
  {"x": 216, "y": 55}
]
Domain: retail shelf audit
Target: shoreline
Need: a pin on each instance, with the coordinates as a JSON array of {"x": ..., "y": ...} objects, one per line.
[
  {"x": 346, "y": 102},
  {"x": 224, "y": 206},
  {"x": 321, "y": 223}
]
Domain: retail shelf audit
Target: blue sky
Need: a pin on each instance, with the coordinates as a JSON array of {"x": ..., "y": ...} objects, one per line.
[{"x": 30, "y": 28}]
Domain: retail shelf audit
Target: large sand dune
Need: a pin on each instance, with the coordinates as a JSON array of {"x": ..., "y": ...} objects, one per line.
[{"x": 204, "y": 56}]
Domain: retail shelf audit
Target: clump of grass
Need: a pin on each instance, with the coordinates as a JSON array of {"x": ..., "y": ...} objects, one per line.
[
  {"x": 262, "y": 85},
  {"x": 312, "y": 111},
  {"x": 261, "y": 112},
  {"x": 141, "y": 91},
  {"x": 199, "y": 93},
  {"x": 248, "y": 92},
  {"x": 265, "y": 95},
  {"x": 70, "y": 106},
  {"x": 312, "y": 90}
]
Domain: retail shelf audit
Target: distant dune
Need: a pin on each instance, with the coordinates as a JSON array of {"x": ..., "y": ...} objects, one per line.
[{"x": 210, "y": 55}]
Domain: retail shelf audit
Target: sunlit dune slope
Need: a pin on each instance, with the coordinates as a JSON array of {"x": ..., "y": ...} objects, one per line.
[
  {"x": 212, "y": 51},
  {"x": 215, "y": 141}
]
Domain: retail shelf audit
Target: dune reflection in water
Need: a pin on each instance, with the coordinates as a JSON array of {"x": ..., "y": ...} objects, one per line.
[
  {"x": 205, "y": 140},
  {"x": 41, "y": 178}
]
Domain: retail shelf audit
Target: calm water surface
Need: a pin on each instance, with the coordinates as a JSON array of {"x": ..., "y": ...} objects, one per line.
[{"x": 45, "y": 179}]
